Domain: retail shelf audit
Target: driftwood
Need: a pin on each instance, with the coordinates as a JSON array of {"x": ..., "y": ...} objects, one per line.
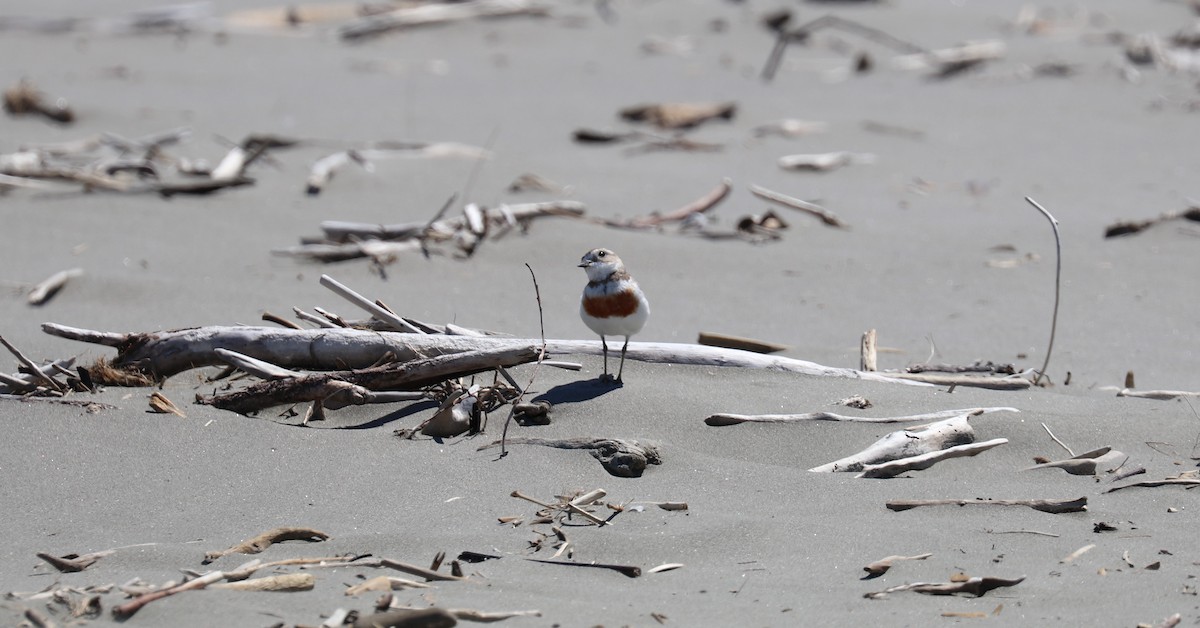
[
  {"x": 976, "y": 586},
  {"x": 948, "y": 62},
  {"x": 868, "y": 353},
  {"x": 127, "y": 609},
  {"x": 1162, "y": 395},
  {"x": 1125, "y": 228},
  {"x": 924, "y": 461},
  {"x": 282, "y": 582},
  {"x": 163, "y": 354},
  {"x": 358, "y": 386},
  {"x": 973, "y": 381},
  {"x": 1054, "y": 506},
  {"x": 907, "y": 443},
  {"x": 717, "y": 420},
  {"x": 1177, "y": 481},
  {"x": 629, "y": 571},
  {"x": 74, "y": 562},
  {"x": 1087, "y": 463},
  {"x": 821, "y": 213},
  {"x": 439, "y": 13},
  {"x": 47, "y": 288},
  {"x": 620, "y": 457},
  {"x": 351, "y": 240},
  {"x": 824, "y": 162},
  {"x": 685, "y": 213},
  {"x": 266, "y": 539},
  {"x": 790, "y": 127},
  {"x": 802, "y": 33},
  {"x": 881, "y": 566},
  {"x": 711, "y": 339},
  {"x": 670, "y": 116}
]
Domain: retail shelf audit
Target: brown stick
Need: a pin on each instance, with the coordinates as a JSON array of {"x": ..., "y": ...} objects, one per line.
[
  {"x": 626, "y": 570},
  {"x": 267, "y": 539},
  {"x": 127, "y": 609},
  {"x": 415, "y": 570},
  {"x": 1055, "y": 506},
  {"x": 1154, "y": 483}
]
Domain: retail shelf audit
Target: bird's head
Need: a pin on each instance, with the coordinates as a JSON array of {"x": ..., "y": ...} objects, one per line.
[{"x": 600, "y": 264}]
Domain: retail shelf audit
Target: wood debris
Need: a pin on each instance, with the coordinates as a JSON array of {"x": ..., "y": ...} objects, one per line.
[
  {"x": 266, "y": 539},
  {"x": 24, "y": 98},
  {"x": 281, "y": 582},
  {"x": 907, "y": 443},
  {"x": 976, "y": 586},
  {"x": 712, "y": 339},
  {"x": 670, "y": 116},
  {"x": 49, "y": 287},
  {"x": 1126, "y": 228},
  {"x": 161, "y": 405},
  {"x": 1054, "y": 506},
  {"x": 718, "y": 420},
  {"x": 1102, "y": 459},
  {"x": 824, "y": 162},
  {"x": 881, "y": 566}
]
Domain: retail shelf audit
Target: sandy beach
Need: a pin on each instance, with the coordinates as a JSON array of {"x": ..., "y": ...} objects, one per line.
[{"x": 942, "y": 256}]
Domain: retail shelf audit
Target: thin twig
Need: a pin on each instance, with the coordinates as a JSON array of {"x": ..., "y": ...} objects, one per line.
[
  {"x": 537, "y": 293},
  {"x": 1060, "y": 443},
  {"x": 1057, "y": 285},
  {"x": 33, "y": 368}
]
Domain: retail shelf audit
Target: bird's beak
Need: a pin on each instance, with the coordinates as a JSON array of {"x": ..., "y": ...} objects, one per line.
[{"x": 584, "y": 264}]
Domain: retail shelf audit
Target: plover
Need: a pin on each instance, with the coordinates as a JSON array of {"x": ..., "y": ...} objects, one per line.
[{"x": 612, "y": 303}]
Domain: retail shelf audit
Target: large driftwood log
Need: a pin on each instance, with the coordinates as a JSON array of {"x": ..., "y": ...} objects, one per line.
[
  {"x": 907, "y": 443},
  {"x": 166, "y": 353}
]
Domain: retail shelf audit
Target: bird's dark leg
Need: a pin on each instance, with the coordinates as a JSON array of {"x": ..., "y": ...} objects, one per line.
[
  {"x": 621, "y": 369},
  {"x": 605, "y": 345}
]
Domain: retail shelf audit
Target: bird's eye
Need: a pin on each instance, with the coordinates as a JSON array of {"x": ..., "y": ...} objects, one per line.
[{"x": 601, "y": 254}]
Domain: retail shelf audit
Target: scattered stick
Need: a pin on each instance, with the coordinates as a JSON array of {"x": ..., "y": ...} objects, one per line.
[
  {"x": 1125, "y": 228},
  {"x": 1086, "y": 463},
  {"x": 1057, "y": 285},
  {"x": 427, "y": 14},
  {"x": 976, "y": 586},
  {"x": 161, "y": 405},
  {"x": 1156, "y": 483},
  {"x": 671, "y": 116},
  {"x": 626, "y": 570},
  {"x": 266, "y": 539},
  {"x": 1070, "y": 558},
  {"x": 973, "y": 381},
  {"x": 1060, "y": 443},
  {"x": 1162, "y": 395},
  {"x": 824, "y": 162},
  {"x": 33, "y": 368},
  {"x": 127, "y": 609},
  {"x": 416, "y": 570},
  {"x": 384, "y": 583},
  {"x": 711, "y": 339},
  {"x": 282, "y": 582},
  {"x": 881, "y": 566},
  {"x": 924, "y": 461},
  {"x": 698, "y": 206},
  {"x": 826, "y": 216},
  {"x": 802, "y": 33},
  {"x": 74, "y": 562},
  {"x": 47, "y": 288},
  {"x": 717, "y": 420},
  {"x": 1054, "y": 506}
]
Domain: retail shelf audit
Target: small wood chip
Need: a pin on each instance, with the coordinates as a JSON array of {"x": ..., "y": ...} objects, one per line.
[{"x": 159, "y": 404}]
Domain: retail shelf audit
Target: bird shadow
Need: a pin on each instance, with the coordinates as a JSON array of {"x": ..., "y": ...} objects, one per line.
[{"x": 579, "y": 391}]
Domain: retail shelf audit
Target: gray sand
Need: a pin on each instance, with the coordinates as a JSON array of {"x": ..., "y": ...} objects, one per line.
[{"x": 764, "y": 541}]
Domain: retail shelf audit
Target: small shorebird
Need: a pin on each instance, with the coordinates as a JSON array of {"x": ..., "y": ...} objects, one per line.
[{"x": 612, "y": 303}]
